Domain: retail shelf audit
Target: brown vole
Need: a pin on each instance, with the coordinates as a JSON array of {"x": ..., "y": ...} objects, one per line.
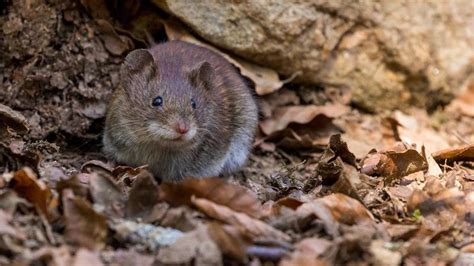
[{"x": 181, "y": 109}]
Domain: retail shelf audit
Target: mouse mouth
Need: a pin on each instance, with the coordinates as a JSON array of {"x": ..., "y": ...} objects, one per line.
[{"x": 169, "y": 136}]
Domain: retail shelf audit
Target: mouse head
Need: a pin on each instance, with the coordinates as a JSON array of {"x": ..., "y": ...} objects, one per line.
[{"x": 167, "y": 102}]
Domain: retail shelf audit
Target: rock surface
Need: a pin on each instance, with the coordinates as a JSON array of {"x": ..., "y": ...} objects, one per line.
[{"x": 392, "y": 53}]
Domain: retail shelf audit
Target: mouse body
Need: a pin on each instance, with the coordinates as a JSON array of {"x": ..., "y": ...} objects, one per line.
[{"x": 183, "y": 110}]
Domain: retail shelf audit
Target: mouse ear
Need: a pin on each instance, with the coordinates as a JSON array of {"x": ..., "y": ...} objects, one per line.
[
  {"x": 202, "y": 74},
  {"x": 137, "y": 69}
]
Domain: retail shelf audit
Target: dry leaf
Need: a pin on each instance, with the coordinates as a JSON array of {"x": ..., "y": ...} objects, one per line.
[
  {"x": 215, "y": 189},
  {"x": 250, "y": 227},
  {"x": 465, "y": 153},
  {"x": 97, "y": 8},
  {"x": 84, "y": 226},
  {"x": 193, "y": 248},
  {"x": 284, "y": 116},
  {"x": 336, "y": 209},
  {"x": 143, "y": 196},
  {"x": 77, "y": 183},
  {"x": 55, "y": 256},
  {"x": 394, "y": 165},
  {"x": 12, "y": 119},
  {"x": 106, "y": 193},
  {"x": 114, "y": 43},
  {"x": 229, "y": 239},
  {"x": 130, "y": 258},
  {"x": 308, "y": 252},
  {"x": 27, "y": 185},
  {"x": 266, "y": 80},
  {"x": 7, "y": 229},
  {"x": 464, "y": 102},
  {"x": 86, "y": 257}
]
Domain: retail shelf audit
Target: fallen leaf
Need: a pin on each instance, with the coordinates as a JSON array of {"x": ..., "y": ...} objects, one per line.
[
  {"x": 230, "y": 240},
  {"x": 84, "y": 226},
  {"x": 96, "y": 166},
  {"x": 336, "y": 209},
  {"x": 106, "y": 193},
  {"x": 401, "y": 231},
  {"x": 284, "y": 116},
  {"x": 97, "y": 8},
  {"x": 266, "y": 80},
  {"x": 77, "y": 183},
  {"x": 12, "y": 119},
  {"x": 382, "y": 255},
  {"x": 195, "y": 247},
  {"x": 393, "y": 165},
  {"x": 9, "y": 201},
  {"x": 247, "y": 225},
  {"x": 143, "y": 196},
  {"x": 130, "y": 258},
  {"x": 465, "y": 153},
  {"x": 55, "y": 256},
  {"x": 7, "y": 229},
  {"x": 341, "y": 149},
  {"x": 28, "y": 186},
  {"x": 114, "y": 43},
  {"x": 86, "y": 257},
  {"x": 464, "y": 102},
  {"x": 214, "y": 189},
  {"x": 309, "y": 251}
]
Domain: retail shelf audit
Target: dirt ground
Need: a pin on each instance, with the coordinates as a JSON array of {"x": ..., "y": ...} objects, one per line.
[{"x": 326, "y": 184}]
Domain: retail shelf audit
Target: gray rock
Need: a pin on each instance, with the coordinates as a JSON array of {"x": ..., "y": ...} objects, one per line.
[{"x": 391, "y": 53}]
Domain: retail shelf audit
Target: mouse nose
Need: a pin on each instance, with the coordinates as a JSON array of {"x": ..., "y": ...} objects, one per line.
[{"x": 182, "y": 128}]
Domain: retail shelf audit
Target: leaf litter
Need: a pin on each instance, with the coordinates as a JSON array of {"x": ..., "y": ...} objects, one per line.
[{"x": 326, "y": 184}]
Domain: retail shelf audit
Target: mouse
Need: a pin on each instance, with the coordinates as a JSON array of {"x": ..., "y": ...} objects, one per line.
[{"x": 182, "y": 110}]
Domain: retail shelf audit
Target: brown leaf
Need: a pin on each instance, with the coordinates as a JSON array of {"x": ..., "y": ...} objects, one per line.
[
  {"x": 97, "y": 8},
  {"x": 464, "y": 102},
  {"x": 51, "y": 256},
  {"x": 340, "y": 149},
  {"x": 309, "y": 251},
  {"x": 130, "y": 258},
  {"x": 114, "y": 43},
  {"x": 77, "y": 183},
  {"x": 336, "y": 209},
  {"x": 465, "y": 153},
  {"x": 12, "y": 119},
  {"x": 286, "y": 202},
  {"x": 214, "y": 189},
  {"x": 401, "y": 231},
  {"x": 27, "y": 185},
  {"x": 250, "y": 227},
  {"x": 84, "y": 226},
  {"x": 393, "y": 165},
  {"x": 86, "y": 257},
  {"x": 143, "y": 196},
  {"x": 96, "y": 166},
  {"x": 284, "y": 116},
  {"x": 440, "y": 208},
  {"x": 266, "y": 80},
  {"x": 106, "y": 193},
  {"x": 9, "y": 201},
  {"x": 193, "y": 248},
  {"x": 229, "y": 239},
  {"x": 7, "y": 229}
]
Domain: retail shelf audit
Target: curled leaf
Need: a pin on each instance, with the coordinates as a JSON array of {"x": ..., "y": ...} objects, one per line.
[{"x": 215, "y": 189}]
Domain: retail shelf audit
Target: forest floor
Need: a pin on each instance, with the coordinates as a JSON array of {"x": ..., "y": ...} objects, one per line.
[{"x": 326, "y": 183}]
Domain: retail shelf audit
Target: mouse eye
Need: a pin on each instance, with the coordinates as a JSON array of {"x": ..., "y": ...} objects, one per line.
[
  {"x": 193, "y": 104},
  {"x": 158, "y": 101}
]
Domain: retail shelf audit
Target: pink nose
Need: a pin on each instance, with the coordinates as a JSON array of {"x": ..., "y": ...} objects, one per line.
[{"x": 182, "y": 128}]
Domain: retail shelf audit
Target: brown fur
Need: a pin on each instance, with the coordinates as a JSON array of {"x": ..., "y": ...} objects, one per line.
[{"x": 225, "y": 119}]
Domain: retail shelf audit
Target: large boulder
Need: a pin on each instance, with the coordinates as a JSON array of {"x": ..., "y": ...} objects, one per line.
[{"x": 391, "y": 53}]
